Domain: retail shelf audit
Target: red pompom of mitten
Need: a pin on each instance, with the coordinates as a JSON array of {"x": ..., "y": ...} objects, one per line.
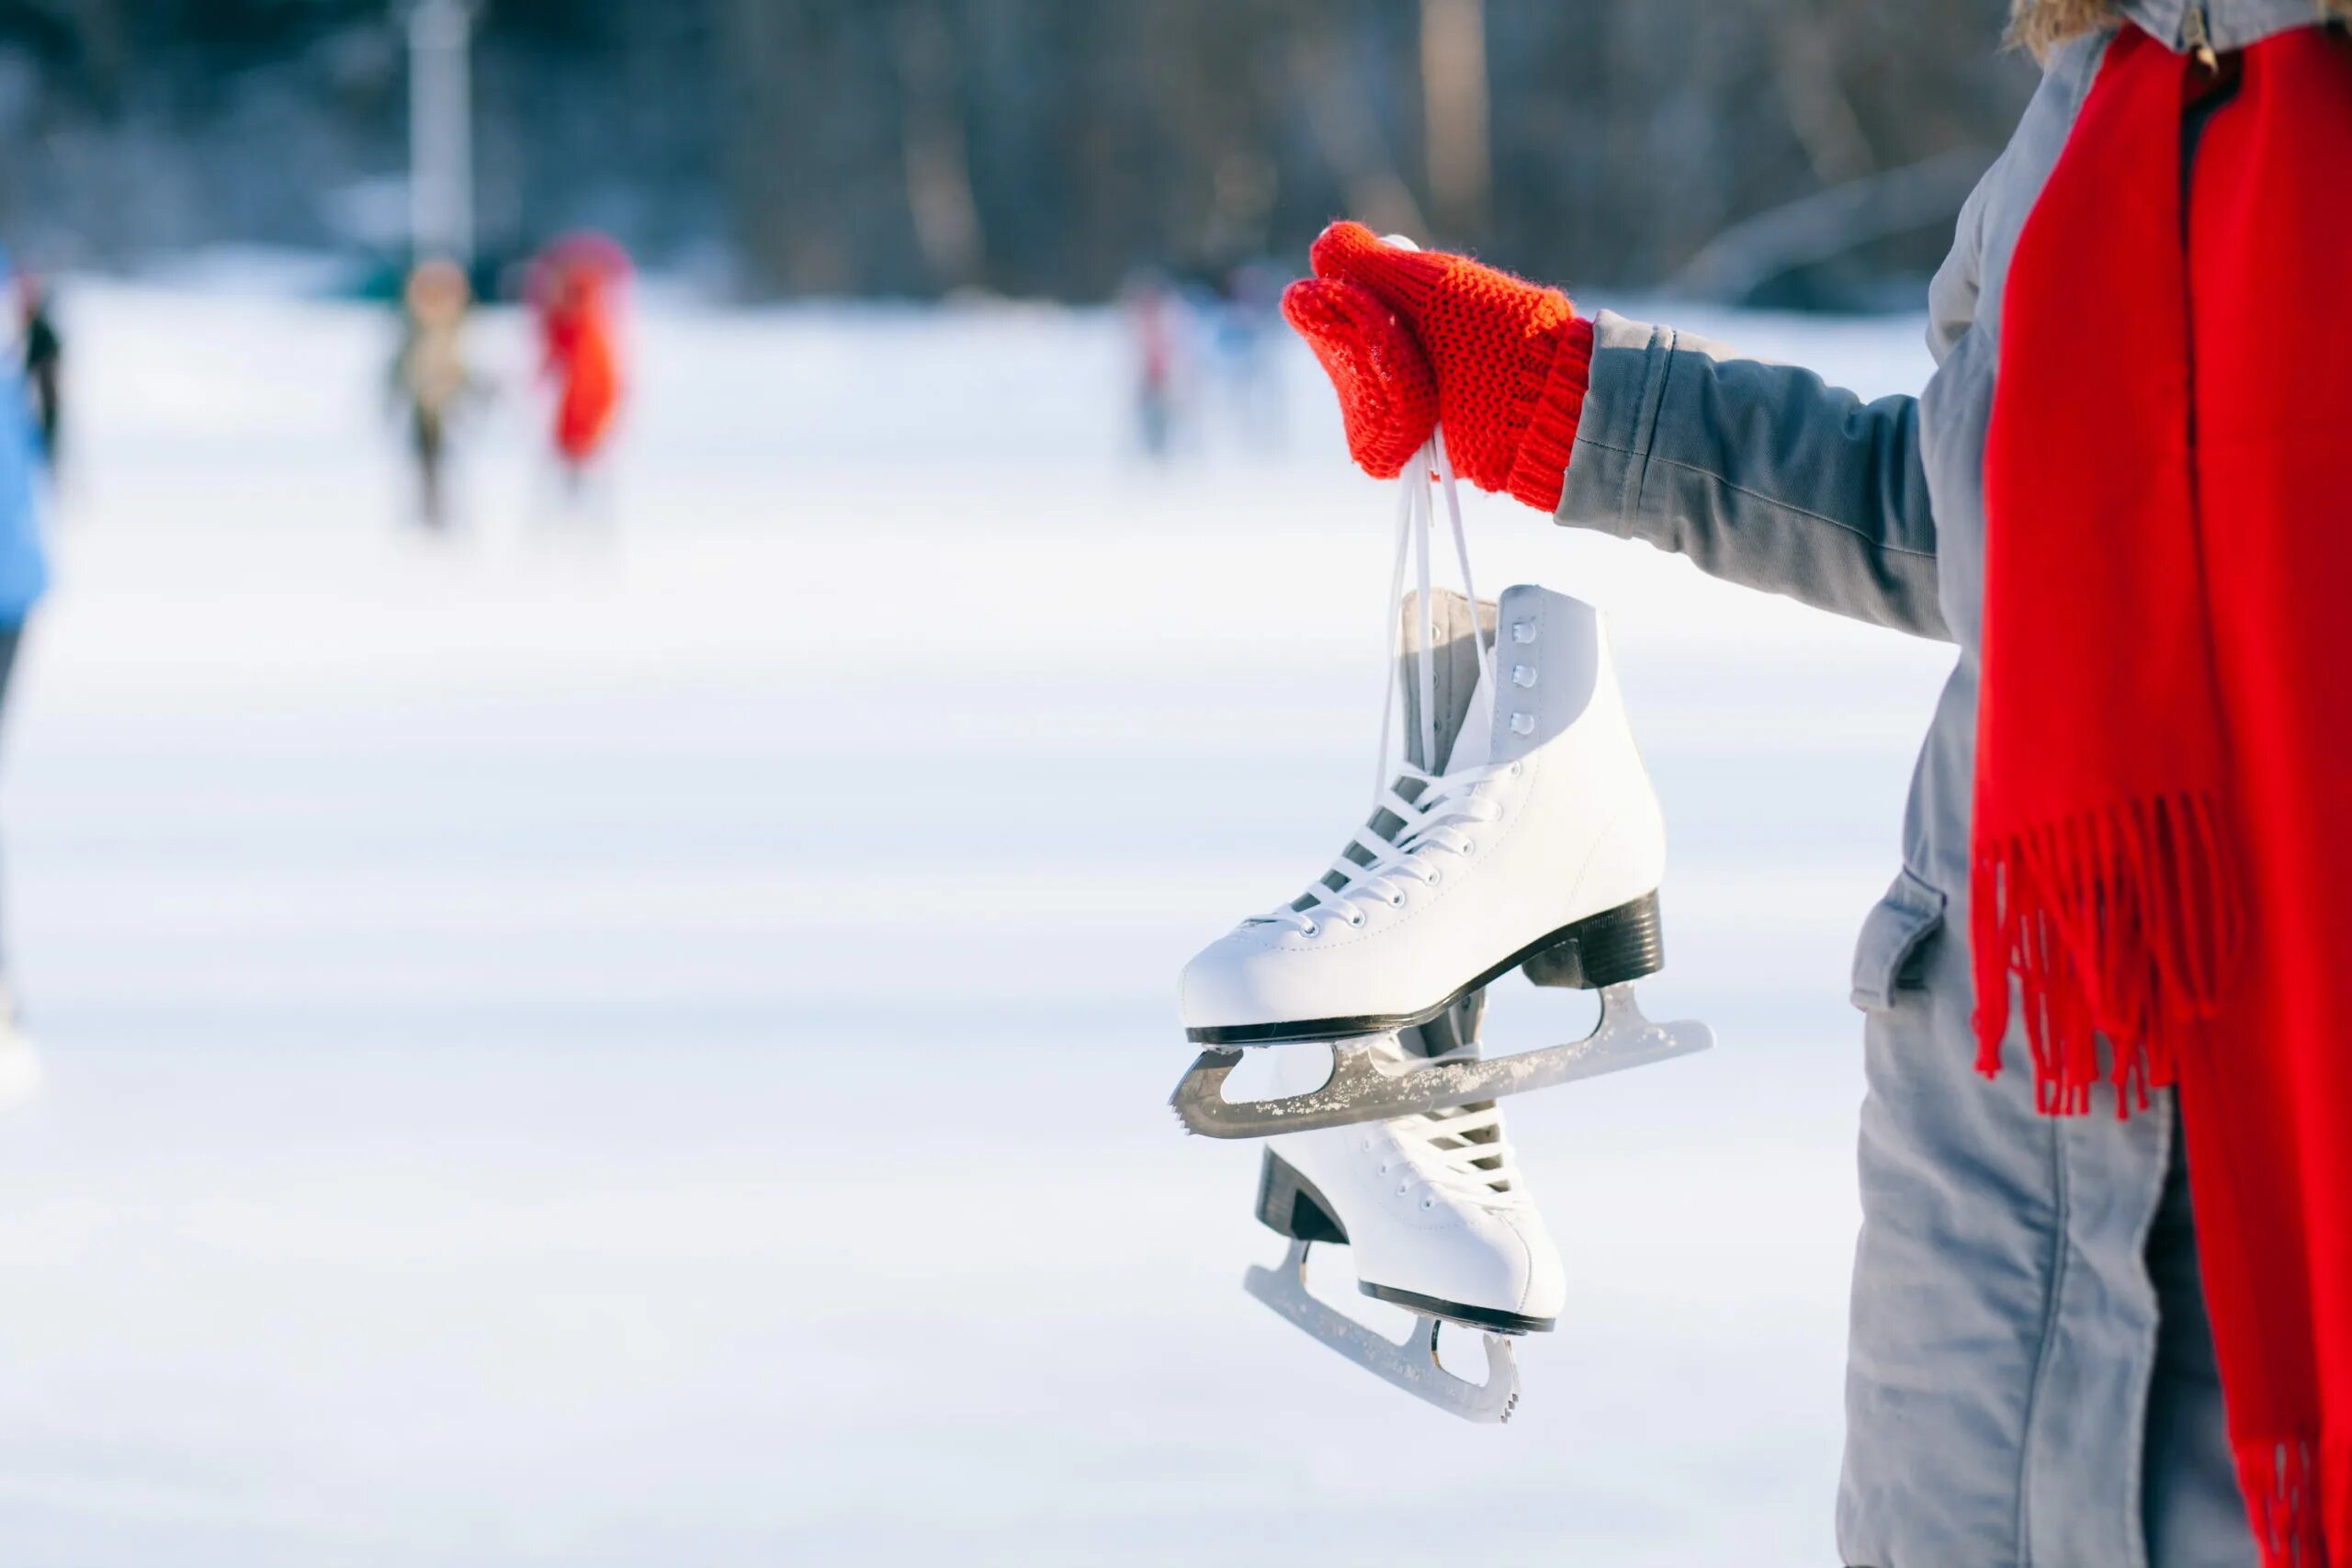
[{"x": 1412, "y": 339}]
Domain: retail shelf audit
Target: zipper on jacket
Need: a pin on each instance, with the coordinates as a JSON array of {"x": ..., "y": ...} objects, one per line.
[{"x": 2194, "y": 33}]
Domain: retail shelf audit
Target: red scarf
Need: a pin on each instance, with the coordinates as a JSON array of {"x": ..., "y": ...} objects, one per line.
[{"x": 2162, "y": 857}]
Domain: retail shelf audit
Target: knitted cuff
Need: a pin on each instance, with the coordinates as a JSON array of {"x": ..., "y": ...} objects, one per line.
[{"x": 1538, "y": 469}]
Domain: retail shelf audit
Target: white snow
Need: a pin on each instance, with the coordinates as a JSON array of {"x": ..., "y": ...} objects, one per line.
[{"x": 650, "y": 1046}]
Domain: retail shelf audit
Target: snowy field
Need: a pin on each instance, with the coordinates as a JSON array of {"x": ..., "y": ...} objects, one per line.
[{"x": 647, "y": 1043}]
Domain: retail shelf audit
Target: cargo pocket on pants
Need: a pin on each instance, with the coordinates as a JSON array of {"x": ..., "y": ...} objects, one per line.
[{"x": 1897, "y": 929}]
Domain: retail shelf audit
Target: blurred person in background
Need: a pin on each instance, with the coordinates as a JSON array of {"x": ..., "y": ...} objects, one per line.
[
  {"x": 45, "y": 363},
  {"x": 575, "y": 288},
  {"x": 1155, "y": 327},
  {"x": 430, "y": 376},
  {"x": 2122, "y": 1338},
  {"x": 1247, "y": 346},
  {"x": 23, "y": 577}
]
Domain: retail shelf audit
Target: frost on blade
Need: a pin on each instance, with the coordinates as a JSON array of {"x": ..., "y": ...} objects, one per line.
[{"x": 1361, "y": 1089}]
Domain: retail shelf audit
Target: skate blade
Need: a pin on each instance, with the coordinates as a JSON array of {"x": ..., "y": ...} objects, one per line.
[
  {"x": 1365, "y": 1087},
  {"x": 1410, "y": 1363}
]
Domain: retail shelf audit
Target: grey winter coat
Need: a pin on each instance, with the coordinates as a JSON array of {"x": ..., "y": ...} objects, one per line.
[{"x": 2031, "y": 1380}]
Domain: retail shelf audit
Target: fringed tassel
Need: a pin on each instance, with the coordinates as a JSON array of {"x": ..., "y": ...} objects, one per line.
[
  {"x": 2125, "y": 921},
  {"x": 2335, "y": 1498},
  {"x": 2283, "y": 1503}
]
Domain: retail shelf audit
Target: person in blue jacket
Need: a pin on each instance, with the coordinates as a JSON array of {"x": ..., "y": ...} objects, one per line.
[{"x": 23, "y": 577}]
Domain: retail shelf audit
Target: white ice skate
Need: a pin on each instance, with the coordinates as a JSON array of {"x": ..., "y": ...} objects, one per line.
[
  {"x": 1537, "y": 845},
  {"x": 1436, "y": 1219}
]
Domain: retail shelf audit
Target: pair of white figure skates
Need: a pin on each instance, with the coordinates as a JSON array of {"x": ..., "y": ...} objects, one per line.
[{"x": 1518, "y": 832}]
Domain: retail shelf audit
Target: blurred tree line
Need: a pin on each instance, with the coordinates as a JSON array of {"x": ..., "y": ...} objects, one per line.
[{"x": 1798, "y": 150}]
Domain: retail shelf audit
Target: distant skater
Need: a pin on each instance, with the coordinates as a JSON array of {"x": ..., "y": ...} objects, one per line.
[
  {"x": 1152, "y": 318},
  {"x": 575, "y": 286},
  {"x": 431, "y": 377},
  {"x": 44, "y": 359},
  {"x": 24, "y": 575},
  {"x": 1247, "y": 342}
]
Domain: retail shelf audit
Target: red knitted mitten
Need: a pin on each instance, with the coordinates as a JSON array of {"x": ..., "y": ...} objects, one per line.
[{"x": 1414, "y": 338}]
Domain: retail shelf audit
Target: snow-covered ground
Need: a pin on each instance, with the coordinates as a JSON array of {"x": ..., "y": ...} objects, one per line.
[{"x": 649, "y": 1045}]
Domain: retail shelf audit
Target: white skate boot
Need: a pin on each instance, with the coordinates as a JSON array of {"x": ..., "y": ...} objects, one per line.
[
  {"x": 1437, "y": 1219},
  {"x": 1541, "y": 849}
]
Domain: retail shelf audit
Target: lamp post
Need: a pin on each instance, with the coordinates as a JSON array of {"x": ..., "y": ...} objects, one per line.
[
  {"x": 440, "y": 129},
  {"x": 1453, "y": 97}
]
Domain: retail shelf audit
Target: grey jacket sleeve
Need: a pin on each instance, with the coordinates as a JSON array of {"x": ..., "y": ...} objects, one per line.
[{"x": 1762, "y": 474}]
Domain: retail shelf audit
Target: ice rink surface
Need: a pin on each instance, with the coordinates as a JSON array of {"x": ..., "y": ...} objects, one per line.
[{"x": 644, "y": 1039}]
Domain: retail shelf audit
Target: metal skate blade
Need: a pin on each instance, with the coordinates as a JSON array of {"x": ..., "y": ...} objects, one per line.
[
  {"x": 1363, "y": 1087},
  {"x": 1410, "y": 1363}
]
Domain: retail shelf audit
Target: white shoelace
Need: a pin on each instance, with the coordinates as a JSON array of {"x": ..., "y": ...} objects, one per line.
[
  {"x": 1456, "y": 1161},
  {"x": 1443, "y": 805},
  {"x": 1459, "y": 1153}
]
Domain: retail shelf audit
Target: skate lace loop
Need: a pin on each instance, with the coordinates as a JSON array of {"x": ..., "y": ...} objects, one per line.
[
  {"x": 1460, "y": 1152},
  {"x": 1433, "y": 815},
  {"x": 1413, "y": 523},
  {"x": 1435, "y": 821}
]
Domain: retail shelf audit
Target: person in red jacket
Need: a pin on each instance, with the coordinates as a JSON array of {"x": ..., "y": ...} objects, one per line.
[{"x": 575, "y": 286}]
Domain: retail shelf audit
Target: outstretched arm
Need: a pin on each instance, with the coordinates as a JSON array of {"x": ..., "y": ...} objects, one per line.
[{"x": 1761, "y": 474}]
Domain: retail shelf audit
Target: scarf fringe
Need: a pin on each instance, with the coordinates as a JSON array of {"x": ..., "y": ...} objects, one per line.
[
  {"x": 2124, "y": 920},
  {"x": 2283, "y": 1502}
]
